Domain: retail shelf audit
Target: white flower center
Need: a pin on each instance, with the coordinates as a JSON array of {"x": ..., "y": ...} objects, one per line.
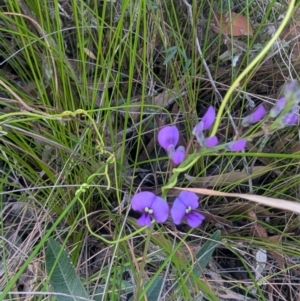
[
  {"x": 188, "y": 209},
  {"x": 148, "y": 210}
]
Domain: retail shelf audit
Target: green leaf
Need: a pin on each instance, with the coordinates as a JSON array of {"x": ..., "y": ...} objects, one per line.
[
  {"x": 187, "y": 65},
  {"x": 63, "y": 277},
  {"x": 153, "y": 291},
  {"x": 169, "y": 57},
  {"x": 205, "y": 253},
  {"x": 170, "y": 49}
]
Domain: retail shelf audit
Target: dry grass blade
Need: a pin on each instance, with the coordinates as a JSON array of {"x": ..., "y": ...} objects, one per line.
[{"x": 271, "y": 202}]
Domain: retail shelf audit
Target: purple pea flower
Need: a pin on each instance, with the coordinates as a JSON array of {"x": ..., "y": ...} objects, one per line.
[
  {"x": 258, "y": 114},
  {"x": 236, "y": 146},
  {"x": 179, "y": 155},
  {"x": 208, "y": 118},
  {"x": 278, "y": 107},
  {"x": 289, "y": 119},
  {"x": 292, "y": 94},
  {"x": 168, "y": 138},
  {"x": 151, "y": 206},
  {"x": 284, "y": 119},
  {"x": 207, "y": 142},
  {"x": 292, "y": 88},
  {"x": 184, "y": 207},
  {"x": 198, "y": 133},
  {"x": 206, "y": 122},
  {"x": 210, "y": 141}
]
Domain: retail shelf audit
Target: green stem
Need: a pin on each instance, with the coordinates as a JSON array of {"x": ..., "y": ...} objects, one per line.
[{"x": 247, "y": 70}]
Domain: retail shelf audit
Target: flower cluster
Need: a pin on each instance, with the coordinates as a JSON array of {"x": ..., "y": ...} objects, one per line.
[
  {"x": 285, "y": 111},
  {"x": 154, "y": 207},
  {"x": 168, "y": 136},
  {"x": 282, "y": 114}
]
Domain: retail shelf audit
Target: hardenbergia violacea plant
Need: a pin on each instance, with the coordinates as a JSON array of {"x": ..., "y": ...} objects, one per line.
[{"x": 155, "y": 208}]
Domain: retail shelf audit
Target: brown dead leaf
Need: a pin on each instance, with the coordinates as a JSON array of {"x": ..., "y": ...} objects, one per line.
[
  {"x": 257, "y": 228},
  {"x": 232, "y": 24}
]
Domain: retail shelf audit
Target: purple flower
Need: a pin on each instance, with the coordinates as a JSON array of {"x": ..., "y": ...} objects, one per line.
[
  {"x": 179, "y": 155},
  {"x": 291, "y": 87},
  {"x": 210, "y": 141},
  {"x": 168, "y": 137},
  {"x": 278, "y": 107},
  {"x": 206, "y": 121},
  {"x": 184, "y": 206},
  {"x": 256, "y": 116},
  {"x": 207, "y": 142},
  {"x": 285, "y": 118},
  {"x": 198, "y": 133},
  {"x": 292, "y": 92},
  {"x": 236, "y": 146},
  {"x": 151, "y": 206},
  {"x": 208, "y": 118},
  {"x": 289, "y": 119}
]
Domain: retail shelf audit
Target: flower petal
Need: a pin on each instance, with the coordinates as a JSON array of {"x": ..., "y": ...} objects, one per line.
[
  {"x": 211, "y": 141},
  {"x": 160, "y": 209},
  {"x": 256, "y": 116},
  {"x": 289, "y": 119},
  {"x": 167, "y": 136},
  {"x": 141, "y": 200},
  {"x": 171, "y": 151},
  {"x": 277, "y": 108},
  {"x": 144, "y": 220},
  {"x": 194, "y": 219},
  {"x": 295, "y": 109},
  {"x": 292, "y": 92},
  {"x": 178, "y": 211},
  {"x": 208, "y": 118},
  {"x": 236, "y": 146},
  {"x": 178, "y": 155},
  {"x": 291, "y": 87},
  {"x": 198, "y": 133},
  {"x": 197, "y": 128},
  {"x": 189, "y": 198}
]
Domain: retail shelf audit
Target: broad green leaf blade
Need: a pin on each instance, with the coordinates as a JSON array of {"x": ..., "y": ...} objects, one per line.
[
  {"x": 169, "y": 57},
  {"x": 153, "y": 291},
  {"x": 205, "y": 253},
  {"x": 170, "y": 49},
  {"x": 63, "y": 279}
]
